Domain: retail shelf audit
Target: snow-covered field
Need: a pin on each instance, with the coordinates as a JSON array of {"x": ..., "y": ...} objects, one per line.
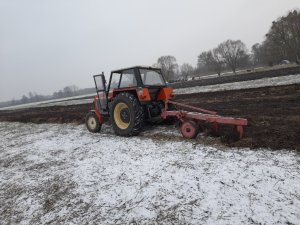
[
  {"x": 264, "y": 82},
  {"x": 62, "y": 174}
]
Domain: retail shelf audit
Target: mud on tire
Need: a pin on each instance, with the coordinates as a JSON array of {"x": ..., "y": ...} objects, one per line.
[{"x": 126, "y": 115}]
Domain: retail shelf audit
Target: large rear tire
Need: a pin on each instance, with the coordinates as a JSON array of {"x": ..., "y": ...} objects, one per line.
[
  {"x": 92, "y": 122},
  {"x": 126, "y": 115}
]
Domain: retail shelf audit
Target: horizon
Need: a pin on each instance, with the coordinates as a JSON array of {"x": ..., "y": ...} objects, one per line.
[{"x": 48, "y": 45}]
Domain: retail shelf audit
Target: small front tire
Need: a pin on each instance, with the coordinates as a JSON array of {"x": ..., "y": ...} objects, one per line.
[{"x": 92, "y": 122}]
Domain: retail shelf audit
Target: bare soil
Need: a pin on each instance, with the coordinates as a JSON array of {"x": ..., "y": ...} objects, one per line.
[{"x": 273, "y": 114}]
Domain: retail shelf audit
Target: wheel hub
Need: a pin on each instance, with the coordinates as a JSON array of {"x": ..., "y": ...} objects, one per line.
[
  {"x": 92, "y": 123},
  {"x": 122, "y": 115},
  {"x": 125, "y": 115},
  {"x": 189, "y": 129}
]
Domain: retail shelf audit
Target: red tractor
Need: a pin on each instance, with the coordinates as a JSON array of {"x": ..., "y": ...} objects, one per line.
[{"x": 138, "y": 94}]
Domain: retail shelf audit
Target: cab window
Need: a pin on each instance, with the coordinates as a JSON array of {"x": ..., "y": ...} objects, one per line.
[
  {"x": 115, "y": 79},
  {"x": 128, "y": 79},
  {"x": 152, "y": 77}
]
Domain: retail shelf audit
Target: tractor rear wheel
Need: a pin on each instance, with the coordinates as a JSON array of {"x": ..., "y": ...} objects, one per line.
[
  {"x": 126, "y": 115},
  {"x": 92, "y": 122}
]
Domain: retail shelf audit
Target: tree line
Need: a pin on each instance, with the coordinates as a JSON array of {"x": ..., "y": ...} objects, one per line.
[
  {"x": 68, "y": 91},
  {"x": 282, "y": 42}
]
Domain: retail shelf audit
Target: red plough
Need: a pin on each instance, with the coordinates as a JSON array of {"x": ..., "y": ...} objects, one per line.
[{"x": 190, "y": 121}]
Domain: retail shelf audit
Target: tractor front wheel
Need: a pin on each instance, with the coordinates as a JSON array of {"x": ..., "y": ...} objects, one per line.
[
  {"x": 92, "y": 122},
  {"x": 126, "y": 115}
]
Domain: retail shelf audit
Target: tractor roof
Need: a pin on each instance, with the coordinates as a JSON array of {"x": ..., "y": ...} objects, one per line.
[{"x": 135, "y": 67}]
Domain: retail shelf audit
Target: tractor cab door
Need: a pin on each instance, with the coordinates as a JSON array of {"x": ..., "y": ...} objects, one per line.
[{"x": 102, "y": 93}]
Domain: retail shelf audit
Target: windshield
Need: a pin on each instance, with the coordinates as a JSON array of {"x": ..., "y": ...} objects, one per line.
[{"x": 152, "y": 77}]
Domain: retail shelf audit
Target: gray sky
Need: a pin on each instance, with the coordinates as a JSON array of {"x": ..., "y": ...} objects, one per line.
[{"x": 46, "y": 45}]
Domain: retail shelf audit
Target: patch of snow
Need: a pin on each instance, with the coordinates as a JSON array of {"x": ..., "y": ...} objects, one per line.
[
  {"x": 61, "y": 101},
  {"x": 62, "y": 174},
  {"x": 264, "y": 82}
]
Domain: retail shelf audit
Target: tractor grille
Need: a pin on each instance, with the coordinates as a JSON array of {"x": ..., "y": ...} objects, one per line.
[{"x": 154, "y": 93}]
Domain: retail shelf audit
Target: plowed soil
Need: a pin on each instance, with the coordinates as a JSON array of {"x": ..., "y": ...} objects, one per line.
[{"x": 273, "y": 114}]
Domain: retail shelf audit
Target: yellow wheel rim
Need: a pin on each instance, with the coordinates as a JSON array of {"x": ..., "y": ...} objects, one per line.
[{"x": 117, "y": 116}]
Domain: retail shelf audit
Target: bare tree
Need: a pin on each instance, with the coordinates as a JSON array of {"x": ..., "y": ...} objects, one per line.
[
  {"x": 24, "y": 99},
  {"x": 281, "y": 42},
  {"x": 31, "y": 95},
  {"x": 168, "y": 65},
  {"x": 70, "y": 90},
  {"x": 257, "y": 54},
  {"x": 284, "y": 37},
  {"x": 217, "y": 60},
  {"x": 234, "y": 53},
  {"x": 212, "y": 60},
  {"x": 186, "y": 70}
]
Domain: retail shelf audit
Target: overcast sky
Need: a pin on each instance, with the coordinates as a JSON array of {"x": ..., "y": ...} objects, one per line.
[{"x": 46, "y": 45}]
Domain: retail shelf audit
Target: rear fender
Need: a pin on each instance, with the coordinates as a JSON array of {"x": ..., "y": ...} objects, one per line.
[
  {"x": 97, "y": 110},
  {"x": 165, "y": 94},
  {"x": 141, "y": 93}
]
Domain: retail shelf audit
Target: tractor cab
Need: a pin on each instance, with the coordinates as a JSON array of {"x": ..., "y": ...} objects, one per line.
[{"x": 130, "y": 79}]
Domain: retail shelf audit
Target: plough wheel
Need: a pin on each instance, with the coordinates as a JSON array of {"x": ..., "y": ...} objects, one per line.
[
  {"x": 215, "y": 130},
  {"x": 236, "y": 134},
  {"x": 189, "y": 129}
]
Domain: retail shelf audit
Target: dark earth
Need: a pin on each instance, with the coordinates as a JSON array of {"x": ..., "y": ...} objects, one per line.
[{"x": 273, "y": 114}]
